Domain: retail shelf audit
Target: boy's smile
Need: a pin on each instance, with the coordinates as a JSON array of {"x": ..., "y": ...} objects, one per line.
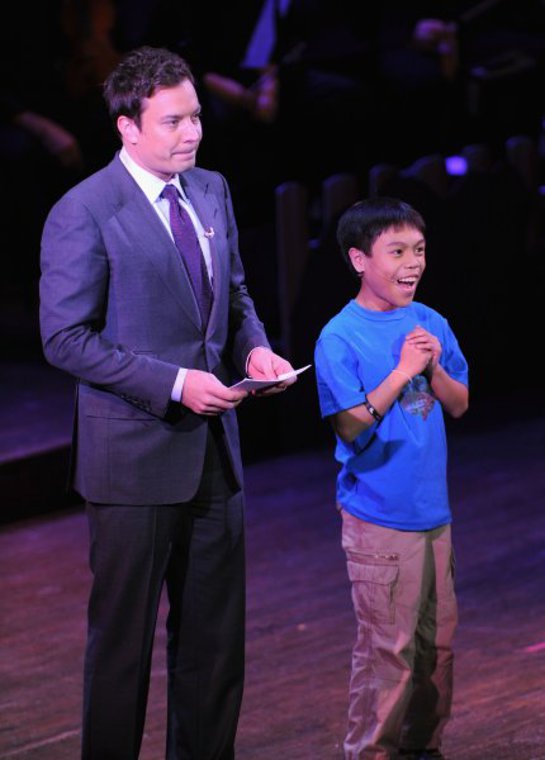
[{"x": 392, "y": 270}]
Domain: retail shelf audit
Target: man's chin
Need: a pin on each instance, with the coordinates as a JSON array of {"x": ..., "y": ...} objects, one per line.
[{"x": 182, "y": 163}]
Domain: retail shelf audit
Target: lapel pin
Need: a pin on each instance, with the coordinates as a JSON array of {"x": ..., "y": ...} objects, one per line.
[{"x": 209, "y": 233}]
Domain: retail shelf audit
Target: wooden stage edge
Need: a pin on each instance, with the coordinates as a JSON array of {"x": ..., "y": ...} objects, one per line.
[{"x": 300, "y": 621}]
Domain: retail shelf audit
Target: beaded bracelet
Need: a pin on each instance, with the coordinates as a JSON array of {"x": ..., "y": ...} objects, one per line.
[{"x": 400, "y": 372}]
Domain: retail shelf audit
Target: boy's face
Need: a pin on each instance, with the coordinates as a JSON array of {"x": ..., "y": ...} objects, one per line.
[{"x": 392, "y": 270}]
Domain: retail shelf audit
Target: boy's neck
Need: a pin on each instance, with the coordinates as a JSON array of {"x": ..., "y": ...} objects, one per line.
[{"x": 372, "y": 305}]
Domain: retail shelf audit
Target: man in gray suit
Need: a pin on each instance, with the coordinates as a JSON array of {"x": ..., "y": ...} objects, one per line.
[{"x": 156, "y": 452}]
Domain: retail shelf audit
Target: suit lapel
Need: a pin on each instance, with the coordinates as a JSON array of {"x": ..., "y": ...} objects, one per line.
[
  {"x": 146, "y": 232},
  {"x": 205, "y": 206}
]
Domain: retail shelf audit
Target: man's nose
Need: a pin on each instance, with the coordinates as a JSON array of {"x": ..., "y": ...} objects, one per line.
[{"x": 191, "y": 132}]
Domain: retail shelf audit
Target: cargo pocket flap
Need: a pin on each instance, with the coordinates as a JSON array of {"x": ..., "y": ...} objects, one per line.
[{"x": 385, "y": 575}]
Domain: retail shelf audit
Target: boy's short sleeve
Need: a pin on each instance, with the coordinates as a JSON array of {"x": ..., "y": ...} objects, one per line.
[
  {"x": 452, "y": 359},
  {"x": 339, "y": 384}
]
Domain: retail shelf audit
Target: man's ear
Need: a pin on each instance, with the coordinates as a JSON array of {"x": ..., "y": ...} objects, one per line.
[
  {"x": 357, "y": 258},
  {"x": 128, "y": 130}
]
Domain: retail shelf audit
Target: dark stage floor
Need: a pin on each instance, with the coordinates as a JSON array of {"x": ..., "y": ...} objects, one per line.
[{"x": 300, "y": 622}]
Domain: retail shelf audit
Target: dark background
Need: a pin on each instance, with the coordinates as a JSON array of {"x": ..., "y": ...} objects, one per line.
[{"x": 354, "y": 91}]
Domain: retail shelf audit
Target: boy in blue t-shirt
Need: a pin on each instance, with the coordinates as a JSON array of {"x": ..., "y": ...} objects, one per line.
[{"x": 386, "y": 368}]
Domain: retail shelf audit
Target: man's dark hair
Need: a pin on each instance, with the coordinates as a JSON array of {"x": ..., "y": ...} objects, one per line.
[
  {"x": 362, "y": 223},
  {"x": 139, "y": 74}
]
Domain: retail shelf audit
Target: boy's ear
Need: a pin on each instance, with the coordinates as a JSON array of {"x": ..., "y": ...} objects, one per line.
[{"x": 357, "y": 258}]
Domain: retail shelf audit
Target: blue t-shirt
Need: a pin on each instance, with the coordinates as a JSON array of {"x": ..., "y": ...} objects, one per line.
[{"x": 394, "y": 473}]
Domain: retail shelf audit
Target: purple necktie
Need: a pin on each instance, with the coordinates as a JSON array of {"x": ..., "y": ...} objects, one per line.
[{"x": 188, "y": 245}]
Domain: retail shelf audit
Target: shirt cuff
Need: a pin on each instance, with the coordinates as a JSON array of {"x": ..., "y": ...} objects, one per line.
[{"x": 178, "y": 387}]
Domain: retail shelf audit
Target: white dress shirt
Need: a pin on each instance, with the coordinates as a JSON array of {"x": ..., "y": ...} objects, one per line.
[{"x": 152, "y": 187}]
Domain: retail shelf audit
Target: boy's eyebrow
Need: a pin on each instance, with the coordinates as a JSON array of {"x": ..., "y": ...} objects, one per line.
[{"x": 420, "y": 241}]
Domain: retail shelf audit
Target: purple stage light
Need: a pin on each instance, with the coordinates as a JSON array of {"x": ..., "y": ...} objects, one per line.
[{"x": 456, "y": 166}]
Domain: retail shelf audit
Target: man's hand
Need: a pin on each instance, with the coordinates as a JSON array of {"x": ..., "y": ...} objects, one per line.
[
  {"x": 203, "y": 393},
  {"x": 266, "y": 365}
]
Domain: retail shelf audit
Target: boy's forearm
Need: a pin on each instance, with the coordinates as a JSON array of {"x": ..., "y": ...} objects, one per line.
[
  {"x": 349, "y": 423},
  {"x": 452, "y": 394}
]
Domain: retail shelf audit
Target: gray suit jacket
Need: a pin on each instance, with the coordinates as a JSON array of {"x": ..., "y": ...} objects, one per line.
[{"x": 118, "y": 312}]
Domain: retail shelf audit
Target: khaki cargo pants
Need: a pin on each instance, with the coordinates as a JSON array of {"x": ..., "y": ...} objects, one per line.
[{"x": 403, "y": 596}]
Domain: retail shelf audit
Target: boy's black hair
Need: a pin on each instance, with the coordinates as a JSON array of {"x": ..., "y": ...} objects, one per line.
[{"x": 362, "y": 223}]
